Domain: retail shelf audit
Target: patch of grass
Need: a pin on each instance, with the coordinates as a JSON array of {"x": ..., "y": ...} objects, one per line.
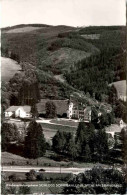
[
  {"x": 49, "y": 133},
  {"x": 23, "y": 29},
  {"x": 19, "y": 175},
  {"x": 59, "y": 127},
  {"x": 12, "y": 159},
  {"x": 120, "y": 87},
  {"x": 42, "y": 161},
  {"x": 65, "y": 122}
]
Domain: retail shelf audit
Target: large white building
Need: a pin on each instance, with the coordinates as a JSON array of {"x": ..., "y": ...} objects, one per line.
[
  {"x": 18, "y": 112},
  {"x": 82, "y": 113}
]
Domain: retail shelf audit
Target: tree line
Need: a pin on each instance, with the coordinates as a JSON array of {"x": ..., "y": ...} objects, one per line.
[
  {"x": 87, "y": 145},
  {"x": 97, "y": 181}
]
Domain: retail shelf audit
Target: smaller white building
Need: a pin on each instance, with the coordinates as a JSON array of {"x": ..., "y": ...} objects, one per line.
[
  {"x": 18, "y": 112},
  {"x": 122, "y": 124}
]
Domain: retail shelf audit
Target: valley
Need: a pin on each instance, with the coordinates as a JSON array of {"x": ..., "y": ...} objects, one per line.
[{"x": 61, "y": 114}]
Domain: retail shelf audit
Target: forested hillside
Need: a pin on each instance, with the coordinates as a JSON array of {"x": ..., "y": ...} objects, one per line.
[
  {"x": 95, "y": 73},
  {"x": 89, "y": 58}
]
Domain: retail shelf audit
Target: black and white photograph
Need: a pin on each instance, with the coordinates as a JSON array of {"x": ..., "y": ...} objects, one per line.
[{"x": 63, "y": 97}]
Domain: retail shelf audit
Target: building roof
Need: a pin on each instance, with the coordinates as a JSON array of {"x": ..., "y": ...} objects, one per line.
[
  {"x": 14, "y": 108},
  {"x": 26, "y": 108},
  {"x": 61, "y": 106},
  {"x": 87, "y": 109}
]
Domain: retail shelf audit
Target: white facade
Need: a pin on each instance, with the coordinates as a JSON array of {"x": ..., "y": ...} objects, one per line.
[
  {"x": 82, "y": 115},
  {"x": 20, "y": 113},
  {"x": 8, "y": 114},
  {"x": 122, "y": 124},
  {"x": 70, "y": 110},
  {"x": 16, "y": 112},
  {"x": 123, "y": 98}
]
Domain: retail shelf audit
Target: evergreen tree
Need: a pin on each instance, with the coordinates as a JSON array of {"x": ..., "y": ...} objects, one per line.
[
  {"x": 112, "y": 95},
  {"x": 34, "y": 110},
  {"x": 50, "y": 108},
  {"x": 84, "y": 137},
  {"x": 120, "y": 110},
  {"x": 100, "y": 144},
  {"x": 110, "y": 117},
  {"x": 35, "y": 144},
  {"x": 59, "y": 142},
  {"x": 87, "y": 156},
  {"x": 72, "y": 149},
  {"x": 9, "y": 133},
  {"x": 94, "y": 115}
]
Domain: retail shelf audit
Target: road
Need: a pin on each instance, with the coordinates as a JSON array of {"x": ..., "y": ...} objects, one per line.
[{"x": 47, "y": 169}]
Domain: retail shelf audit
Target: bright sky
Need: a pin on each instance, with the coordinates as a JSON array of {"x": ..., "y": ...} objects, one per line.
[{"x": 63, "y": 12}]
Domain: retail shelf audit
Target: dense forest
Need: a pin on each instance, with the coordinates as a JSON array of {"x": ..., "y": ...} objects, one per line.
[
  {"x": 108, "y": 68},
  {"x": 108, "y": 64}
]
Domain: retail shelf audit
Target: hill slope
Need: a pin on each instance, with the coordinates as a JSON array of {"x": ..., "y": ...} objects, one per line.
[
  {"x": 58, "y": 50},
  {"x": 41, "y": 46}
]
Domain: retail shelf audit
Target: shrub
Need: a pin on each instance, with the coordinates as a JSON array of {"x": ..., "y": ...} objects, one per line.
[
  {"x": 31, "y": 176},
  {"x": 12, "y": 177},
  {"x": 40, "y": 177}
]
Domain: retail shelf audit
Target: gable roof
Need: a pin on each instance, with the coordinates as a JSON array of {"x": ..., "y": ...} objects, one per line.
[
  {"x": 61, "y": 106},
  {"x": 26, "y": 108},
  {"x": 87, "y": 109},
  {"x": 14, "y": 108}
]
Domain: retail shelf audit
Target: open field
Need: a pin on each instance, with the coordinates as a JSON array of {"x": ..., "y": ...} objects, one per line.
[
  {"x": 65, "y": 122},
  {"x": 51, "y": 129},
  {"x": 49, "y": 133},
  {"x": 91, "y": 36},
  {"x": 8, "y": 68},
  {"x": 23, "y": 29},
  {"x": 51, "y": 126},
  {"x": 120, "y": 87},
  {"x": 11, "y": 159},
  {"x": 59, "y": 127}
]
